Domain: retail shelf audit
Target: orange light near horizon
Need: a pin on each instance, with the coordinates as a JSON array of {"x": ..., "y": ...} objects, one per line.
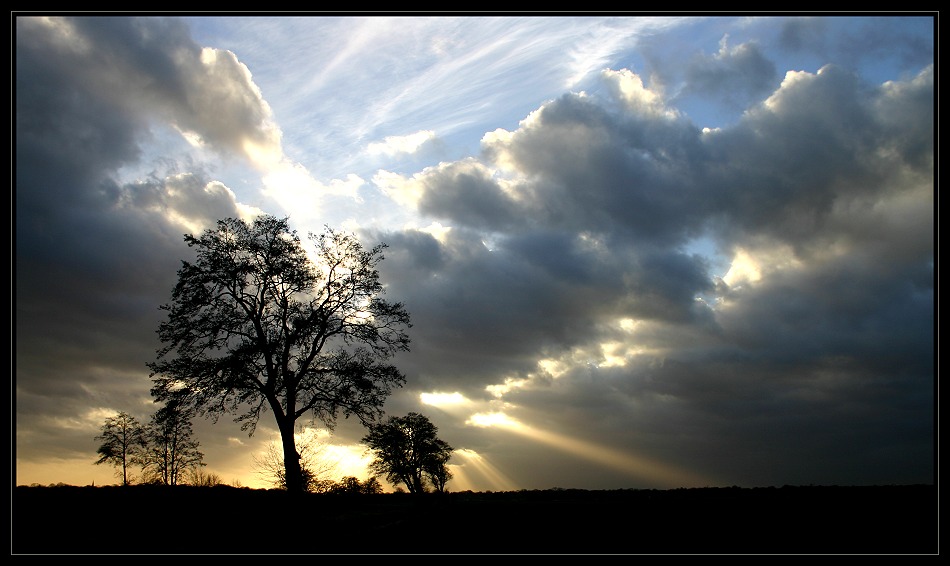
[
  {"x": 475, "y": 471},
  {"x": 638, "y": 466}
]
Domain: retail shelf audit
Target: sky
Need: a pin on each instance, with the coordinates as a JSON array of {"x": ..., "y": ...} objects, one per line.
[{"x": 639, "y": 251}]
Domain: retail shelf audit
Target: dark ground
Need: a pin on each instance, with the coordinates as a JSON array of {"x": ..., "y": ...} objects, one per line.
[{"x": 878, "y": 520}]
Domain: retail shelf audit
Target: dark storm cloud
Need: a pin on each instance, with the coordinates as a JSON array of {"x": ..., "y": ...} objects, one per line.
[
  {"x": 777, "y": 174},
  {"x": 735, "y": 75},
  {"x": 468, "y": 196},
  {"x": 829, "y": 181},
  {"x": 588, "y": 166},
  {"x": 482, "y": 312},
  {"x": 96, "y": 256},
  {"x": 903, "y": 38},
  {"x": 799, "y": 34},
  {"x": 822, "y": 141},
  {"x": 595, "y": 237}
]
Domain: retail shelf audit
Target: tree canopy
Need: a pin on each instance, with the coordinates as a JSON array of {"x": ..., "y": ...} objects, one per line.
[
  {"x": 254, "y": 325},
  {"x": 124, "y": 444},
  {"x": 172, "y": 452},
  {"x": 408, "y": 451}
]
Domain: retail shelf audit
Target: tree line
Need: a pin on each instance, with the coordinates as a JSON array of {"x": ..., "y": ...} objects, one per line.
[
  {"x": 163, "y": 448},
  {"x": 407, "y": 452},
  {"x": 255, "y": 325}
]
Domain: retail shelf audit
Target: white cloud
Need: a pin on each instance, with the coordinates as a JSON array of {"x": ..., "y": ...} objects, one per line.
[
  {"x": 629, "y": 88},
  {"x": 394, "y": 145},
  {"x": 302, "y": 196},
  {"x": 576, "y": 211},
  {"x": 404, "y": 191}
]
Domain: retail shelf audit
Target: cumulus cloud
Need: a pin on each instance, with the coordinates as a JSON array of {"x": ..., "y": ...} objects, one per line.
[
  {"x": 95, "y": 250},
  {"x": 735, "y": 75},
  {"x": 553, "y": 278},
  {"x": 589, "y": 207}
]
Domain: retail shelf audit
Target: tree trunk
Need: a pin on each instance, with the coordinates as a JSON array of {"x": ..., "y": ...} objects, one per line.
[{"x": 292, "y": 473}]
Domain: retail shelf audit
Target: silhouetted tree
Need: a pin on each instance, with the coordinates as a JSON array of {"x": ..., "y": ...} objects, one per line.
[
  {"x": 201, "y": 478},
  {"x": 172, "y": 452},
  {"x": 352, "y": 485},
  {"x": 436, "y": 468},
  {"x": 255, "y": 324},
  {"x": 123, "y": 444},
  {"x": 408, "y": 451},
  {"x": 371, "y": 486},
  {"x": 316, "y": 464}
]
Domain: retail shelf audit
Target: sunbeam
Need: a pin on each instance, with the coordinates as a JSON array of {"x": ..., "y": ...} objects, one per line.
[
  {"x": 476, "y": 470},
  {"x": 663, "y": 475}
]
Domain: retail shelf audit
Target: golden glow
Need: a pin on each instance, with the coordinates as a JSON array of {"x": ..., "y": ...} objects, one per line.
[
  {"x": 347, "y": 459},
  {"x": 613, "y": 354},
  {"x": 98, "y": 415},
  {"x": 638, "y": 466},
  {"x": 308, "y": 435},
  {"x": 497, "y": 144},
  {"x": 437, "y": 231},
  {"x": 334, "y": 461},
  {"x": 628, "y": 324},
  {"x": 475, "y": 471},
  {"x": 552, "y": 367},
  {"x": 70, "y": 471},
  {"x": 617, "y": 353},
  {"x": 750, "y": 266},
  {"x": 267, "y": 155},
  {"x": 744, "y": 269},
  {"x": 351, "y": 460},
  {"x": 403, "y": 191},
  {"x": 509, "y": 384},
  {"x": 439, "y": 399},
  {"x": 629, "y": 86},
  {"x": 493, "y": 419}
]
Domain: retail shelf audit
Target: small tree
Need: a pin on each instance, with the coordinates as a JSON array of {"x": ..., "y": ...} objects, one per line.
[
  {"x": 172, "y": 452},
  {"x": 408, "y": 451},
  {"x": 352, "y": 485},
  {"x": 201, "y": 478},
  {"x": 436, "y": 468},
  {"x": 123, "y": 444},
  {"x": 371, "y": 486},
  {"x": 254, "y": 324},
  {"x": 316, "y": 464}
]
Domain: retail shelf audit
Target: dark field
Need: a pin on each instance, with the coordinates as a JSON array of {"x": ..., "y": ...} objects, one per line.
[{"x": 226, "y": 520}]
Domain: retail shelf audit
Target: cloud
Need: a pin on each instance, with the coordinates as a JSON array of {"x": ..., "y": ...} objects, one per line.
[
  {"x": 554, "y": 276},
  {"x": 95, "y": 253},
  {"x": 580, "y": 220},
  {"x": 734, "y": 75},
  {"x": 909, "y": 41},
  {"x": 393, "y": 145}
]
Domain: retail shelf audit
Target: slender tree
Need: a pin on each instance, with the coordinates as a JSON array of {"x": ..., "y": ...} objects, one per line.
[
  {"x": 254, "y": 324},
  {"x": 123, "y": 444},
  {"x": 407, "y": 450},
  {"x": 172, "y": 451}
]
